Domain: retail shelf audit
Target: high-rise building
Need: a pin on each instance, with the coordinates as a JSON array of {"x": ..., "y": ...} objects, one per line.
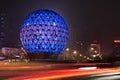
[
  {"x": 70, "y": 37},
  {"x": 3, "y": 28},
  {"x": 95, "y": 51}
]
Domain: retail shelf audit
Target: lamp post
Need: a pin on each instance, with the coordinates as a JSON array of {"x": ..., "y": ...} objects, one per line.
[{"x": 66, "y": 52}]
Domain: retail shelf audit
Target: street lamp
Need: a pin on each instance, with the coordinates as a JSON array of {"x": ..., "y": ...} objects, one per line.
[
  {"x": 94, "y": 56},
  {"x": 67, "y": 49},
  {"x": 75, "y": 52},
  {"x": 84, "y": 56},
  {"x": 91, "y": 48},
  {"x": 80, "y": 55}
]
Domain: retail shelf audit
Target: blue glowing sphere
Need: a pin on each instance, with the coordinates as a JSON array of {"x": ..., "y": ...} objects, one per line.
[{"x": 44, "y": 31}]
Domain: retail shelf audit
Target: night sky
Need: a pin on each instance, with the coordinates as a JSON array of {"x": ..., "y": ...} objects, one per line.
[{"x": 89, "y": 19}]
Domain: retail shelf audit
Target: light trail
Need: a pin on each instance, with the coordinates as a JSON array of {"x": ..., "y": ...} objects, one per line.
[
  {"x": 66, "y": 73},
  {"x": 106, "y": 76},
  {"x": 87, "y": 68}
]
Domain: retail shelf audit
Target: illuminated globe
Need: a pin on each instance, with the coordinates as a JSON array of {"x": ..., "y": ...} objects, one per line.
[{"x": 44, "y": 31}]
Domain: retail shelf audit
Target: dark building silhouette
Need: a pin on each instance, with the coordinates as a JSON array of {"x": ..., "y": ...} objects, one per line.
[
  {"x": 116, "y": 48},
  {"x": 4, "y": 23},
  {"x": 115, "y": 54}
]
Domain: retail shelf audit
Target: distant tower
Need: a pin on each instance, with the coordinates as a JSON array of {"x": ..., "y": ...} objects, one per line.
[
  {"x": 3, "y": 27},
  {"x": 70, "y": 38}
]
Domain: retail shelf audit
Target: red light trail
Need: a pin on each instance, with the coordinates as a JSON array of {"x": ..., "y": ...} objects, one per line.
[{"x": 66, "y": 73}]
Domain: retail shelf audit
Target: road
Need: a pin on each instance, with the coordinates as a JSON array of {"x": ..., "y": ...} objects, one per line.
[
  {"x": 106, "y": 76},
  {"x": 49, "y": 71}
]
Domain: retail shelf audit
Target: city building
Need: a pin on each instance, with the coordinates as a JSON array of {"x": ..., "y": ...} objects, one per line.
[
  {"x": 95, "y": 51},
  {"x": 115, "y": 54},
  {"x": 4, "y": 23},
  {"x": 116, "y": 48},
  {"x": 12, "y": 54}
]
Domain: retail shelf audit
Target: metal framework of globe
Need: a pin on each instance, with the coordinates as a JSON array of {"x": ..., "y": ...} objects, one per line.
[{"x": 44, "y": 31}]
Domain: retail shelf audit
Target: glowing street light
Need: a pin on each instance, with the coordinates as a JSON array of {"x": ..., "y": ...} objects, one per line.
[
  {"x": 85, "y": 57},
  {"x": 94, "y": 56},
  {"x": 91, "y": 48},
  {"x": 80, "y": 55},
  {"x": 95, "y": 51},
  {"x": 75, "y": 52},
  {"x": 67, "y": 49}
]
